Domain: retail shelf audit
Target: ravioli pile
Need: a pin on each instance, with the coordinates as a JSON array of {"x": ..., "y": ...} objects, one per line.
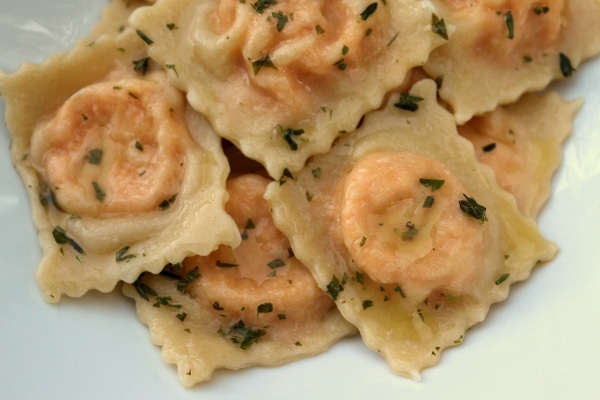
[{"x": 267, "y": 177}]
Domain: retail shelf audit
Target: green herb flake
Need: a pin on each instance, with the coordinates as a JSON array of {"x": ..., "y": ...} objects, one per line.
[
  {"x": 360, "y": 278},
  {"x": 316, "y": 172},
  {"x": 408, "y": 102},
  {"x": 172, "y": 26},
  {"x": 94, "y": 156},
  {"x": 188, "y": 278},
  {"x": 282, "y": 19},
  {"x": 438, "y": 26},
  {"x": 566, "y": 68},
  {"x": 288, "y": 135},
  {"x": 263, "y": 62},
  {"x": 221, "y": 264},
  {"x": 61, "y": 237},
  {"x": 539, "y": 10},
  {"x": 363, "y": 240},
  {"x": 319, "y": 30},
  {"x": 502, "y": 279},
  {"x": 242, "y": 335},
  {"x": 121, "y": 254},
  {"x": 309, "y": 196},
  {"x": 276, "y": 263},
  {"x": 264, "y": 308},
  {"x": 489, "y": 147},
  {"x": 217, "y": 306},
  {"x": 281, "y": 317},
  {"x": 143, "y": 290},
  {"x": 100, "y": 195},
  {"x": 510, "y": 24},
  {"x": 181, "y": 316},
  {"x": 470, "y": 207},
  {"x": 139, "y": 146},
  {"x": 261, "y": 5},
  {"x": 434, "y": 184},
  {"x": 141, "y": 65},
  {"x": 399, "y": 290},
  {"x": 345, "y": 50},
  {"x": 334, "y": 287},
  {"x": 172, "y": 68},
  {"x": 371, "y": 8},
  {"x": 428, "y": 202},
  {"x": 366, "y": 304},
  {"x": 341, "y": 64},
  {"x": 144, "y": 37},
  {"x": 410, "y": 232}
]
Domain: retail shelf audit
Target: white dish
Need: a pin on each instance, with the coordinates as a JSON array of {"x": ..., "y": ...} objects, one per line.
[{"x": 539, "y": 344}]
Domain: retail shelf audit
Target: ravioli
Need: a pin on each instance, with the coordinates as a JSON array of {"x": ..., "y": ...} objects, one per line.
[
  {"x": 251, "y": 305},
  {"x": 498, "y": 50},
  {"x": 522, "y": 142},
  {"x": 122, "y": 175},
  {"x": 281, "y": 80},
  {"x": 408, "y": 233}
]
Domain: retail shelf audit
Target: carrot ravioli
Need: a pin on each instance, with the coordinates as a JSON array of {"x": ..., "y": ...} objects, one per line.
[
  {"x": 123, "y": 176},
  {"x": 282, "y": 80},
  {"x": 500, "y": 50},
  {"x": 255, "y": 304},
  {"x": 412, "y": 237}
]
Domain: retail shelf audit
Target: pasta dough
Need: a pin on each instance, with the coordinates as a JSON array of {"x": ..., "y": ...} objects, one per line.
[
  {"x": 406, "y": 231},
  {"x": 501, "y": 49},
  {"x": 522, "y": 142},
  {"x": 253, "y": 305},
  {"x": 281, "y": 80},
  {"x": 88, "y": 170}
]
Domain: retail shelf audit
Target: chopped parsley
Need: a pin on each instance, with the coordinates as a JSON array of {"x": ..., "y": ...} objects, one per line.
[
  {"x": 472, "y": 208},
  {"x": 188, "y": 278},
  {"x": 261, "y": 5},
  {"x": 100, "y": 195},
  {"x": 242, "y": 335},
  {"x": 138, "y": 145},
  {"x": 566, "y": 68},
  {"x": 489, "y": 147},
  {"x": 502, "y": 279},
  {"x": 264, "y": 61},
  {"x": 143, "y": 290},
  {"x": 510, "y": 24},
  {"x": 264, "y": 308},
  {"x": 334, "y": 287},
  {"x": 288, "y": 135},
  {"x": 222, "y": 264},
  {"x": 144, "y": 37},
  {"x": 61, "y": 237},
  {"x": 410, "y": 232},
  {"x": 94, "y": 156},
  {"x": 141, "y": 65},
  {"x": 122, "y": 255},
  {"x": 438, "y": 26},
  {"x": 282, "y": 19},
  {"x": 539, "y": 10},
  {"x": 408, "y": 102},
  {"x": 434, "y": 184},
  {"x": 371, "y": 8},
  {"x": 366, "y": 304},
  {"x": 276, "y": 263},
  {"x": 428, "y": 202}
]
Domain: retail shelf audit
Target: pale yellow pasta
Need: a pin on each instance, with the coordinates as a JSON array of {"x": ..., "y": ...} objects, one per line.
[
  {"x": 255, "y": 304},
  {"x": 522, "y": 142},
  {"x": 123, "y": 176},
  {"x": 409, "y": 234},
  {"x": 500, "y": 49},
  {"x": 282, "y": 80},
  {"x": 114, "y": 18}
]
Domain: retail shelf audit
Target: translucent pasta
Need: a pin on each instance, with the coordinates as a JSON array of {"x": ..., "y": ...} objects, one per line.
[
  {"x": 123, "y": 176},
  {"x": 409, "y": 234},
  {"x": 282, "y": 80}
]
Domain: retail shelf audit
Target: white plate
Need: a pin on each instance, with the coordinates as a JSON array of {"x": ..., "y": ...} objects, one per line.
[{"x": 540, "y": 344}]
